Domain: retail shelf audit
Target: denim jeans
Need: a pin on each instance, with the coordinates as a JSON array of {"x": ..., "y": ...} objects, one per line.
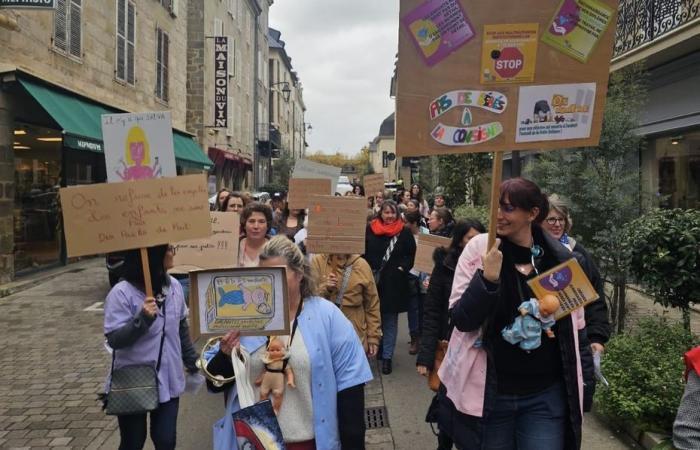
[
  {"x": 390, "y": 328},
  {"x": 132, "y": 428},
  {"x": 532, "y": 422},
  {"x": 415, "y": 315}
]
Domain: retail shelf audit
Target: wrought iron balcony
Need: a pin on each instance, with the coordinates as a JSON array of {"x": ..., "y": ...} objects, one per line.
[{"x": 642, "y": 21}]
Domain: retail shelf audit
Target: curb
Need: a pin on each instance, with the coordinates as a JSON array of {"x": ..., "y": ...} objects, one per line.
[
  {"x": 645, "y": 439},
  {"x": 34, "y": 279}
]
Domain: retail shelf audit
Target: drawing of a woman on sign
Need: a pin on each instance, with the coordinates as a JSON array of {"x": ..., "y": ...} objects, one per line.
[{"x": 137, "y": 154}]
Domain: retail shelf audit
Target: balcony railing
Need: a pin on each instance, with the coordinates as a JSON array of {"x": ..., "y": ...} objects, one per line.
[{"x": 642, "y": 21}]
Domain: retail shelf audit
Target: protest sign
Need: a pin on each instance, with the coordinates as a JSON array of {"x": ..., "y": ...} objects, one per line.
[
  {"x": 138, "y": 146},
  {"x": 373, "y": 183},
  {"x": 217, "y": 251},
  {"x": 425, "y": 247},
  {"x": 302, "y": 190},
  {"x": 252, "y": 300},
  {"x": 569, "y": 283},
  {"x": 337, "y": 225},
  {"x": 305, "y": 168},
  {"x": 103, "y": 218},
  {"x": 459, "y": 95}
]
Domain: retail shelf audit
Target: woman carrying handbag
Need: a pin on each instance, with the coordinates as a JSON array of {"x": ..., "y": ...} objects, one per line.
[{"x": 149, "y": 338}]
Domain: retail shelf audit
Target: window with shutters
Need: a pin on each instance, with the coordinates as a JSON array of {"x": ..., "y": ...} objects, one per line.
[
  {"x": 218, "y": 27},
  {"x": 126, "y": 42},
  {"x": 162, "y": 50},
  {"x": 67, "y": 32}
]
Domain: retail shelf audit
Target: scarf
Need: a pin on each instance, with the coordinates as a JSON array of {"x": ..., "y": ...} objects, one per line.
[
  {"x": 564, "y": 239},
  {"x": 380, "y": 228},
  {"x": 692, "y": 361}
]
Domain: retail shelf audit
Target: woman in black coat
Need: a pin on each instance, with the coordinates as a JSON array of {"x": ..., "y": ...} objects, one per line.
[
  {"x": 390, "y": 250},
  {"x": 436, "y": 326}
]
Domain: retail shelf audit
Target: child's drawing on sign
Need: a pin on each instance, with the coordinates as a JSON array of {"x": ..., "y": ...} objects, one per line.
[
  {"x": 138, "y": 158},
  {"x": 246, "y": 297}
]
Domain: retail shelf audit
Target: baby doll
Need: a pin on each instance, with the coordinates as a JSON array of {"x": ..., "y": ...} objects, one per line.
[
  {"x": 535, "y": 316},
  {"x": 272, "y": 378}
]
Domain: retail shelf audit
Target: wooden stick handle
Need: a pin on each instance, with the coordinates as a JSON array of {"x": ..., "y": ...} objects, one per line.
[
  {"x": 146, "y": 272},
  {"x": 496, "y": 177}
]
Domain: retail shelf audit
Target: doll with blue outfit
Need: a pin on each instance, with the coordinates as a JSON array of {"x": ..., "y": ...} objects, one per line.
[{"x": 535, "y": 316}]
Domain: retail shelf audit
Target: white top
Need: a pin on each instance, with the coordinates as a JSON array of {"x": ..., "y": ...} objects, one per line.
[
  {"x": 296, "y": 417},
  {"x": 243, "y": 259}
]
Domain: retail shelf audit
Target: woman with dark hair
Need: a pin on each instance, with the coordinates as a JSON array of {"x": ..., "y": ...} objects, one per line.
[
  {"x": 290, "y": 222},
  {"x": 257, "y": 223},
  {"x": 233, "y": 203},
  {"x": 593, "y": 324},
  {"x": 390, "y": 250},
  {"x": 358, "y": 190},
  {"x": 220, "y": 197},
  {"x": 494, "y": 394},
  {"x": 440, "y": 222},
  {"x": 150, "y": 330},
  {"x": 417, "y": 193},
  {"x": 436, "y": 326}
]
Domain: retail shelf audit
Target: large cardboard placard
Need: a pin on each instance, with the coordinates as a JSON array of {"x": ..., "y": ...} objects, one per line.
[
  {"x": 217, "y": 251},
  {"x": 302, "y": 190},
  {"x": 252, "y": 300},
  {"x": 104, "y": 218},
  {"x": 569, "y": 283},
  {"x": 373, "y": 183},
  {"x": 138, "y": 146},
  {"x": 444, "y": 108},
  {"x": 305, "y": 168},
  {"x": 337, "y": 225},
  {"x": 425, "y": 247}
]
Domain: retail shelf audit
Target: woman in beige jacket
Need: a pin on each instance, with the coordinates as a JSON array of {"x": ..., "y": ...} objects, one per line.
[{"x": 357, "y": 297}]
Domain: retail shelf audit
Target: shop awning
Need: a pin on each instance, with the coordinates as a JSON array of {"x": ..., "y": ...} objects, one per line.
[{"x": 81, "y": 121}]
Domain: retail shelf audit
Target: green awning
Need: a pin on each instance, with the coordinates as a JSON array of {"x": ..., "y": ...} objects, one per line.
[{"x": 81, "y": 121}]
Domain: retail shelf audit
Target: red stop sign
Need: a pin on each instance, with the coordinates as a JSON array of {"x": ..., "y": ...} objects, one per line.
[{"x": 509, "y": 63}]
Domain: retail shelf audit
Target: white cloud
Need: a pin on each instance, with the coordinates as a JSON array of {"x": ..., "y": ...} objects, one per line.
[{"x": 344, "y": 52}]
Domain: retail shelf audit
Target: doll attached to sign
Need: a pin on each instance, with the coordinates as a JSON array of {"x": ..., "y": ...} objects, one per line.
[
  {"x": 535, "y": 316},
  {"x": 276, "y": 372}
]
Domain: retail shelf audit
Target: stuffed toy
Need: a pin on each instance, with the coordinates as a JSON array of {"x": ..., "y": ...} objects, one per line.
[
  {"x": 277, "y": 369},
  {"x": 535, "y": 316}
]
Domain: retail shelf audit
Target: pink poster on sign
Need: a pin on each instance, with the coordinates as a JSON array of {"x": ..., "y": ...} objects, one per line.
[{"x": 438, "y": 28}]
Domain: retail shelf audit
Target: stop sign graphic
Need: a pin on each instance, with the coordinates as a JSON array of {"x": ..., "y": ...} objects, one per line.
[{"x": 509, "y": 63}]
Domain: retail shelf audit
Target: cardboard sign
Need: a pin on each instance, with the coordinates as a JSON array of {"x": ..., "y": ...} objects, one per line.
[
  {"x": 138, "y": 146},
  {"x": 252, "y": 300},
  {"x": 215, "y": 252},
  {"x": 425, "y": 247},
  {"x": 305, "y": 168},
  {"x": 302, "y": 190},
  {"x": 337, "y": 225},
  {"x": 453, "y": 107},
  {"x": 103, "y": 218},
  {"x": 569, "y": 283},
  {"x": 373, "y": 183}
]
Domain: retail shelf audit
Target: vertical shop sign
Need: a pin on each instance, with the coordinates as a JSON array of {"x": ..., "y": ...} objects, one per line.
[{"x": 221, "y": 82}]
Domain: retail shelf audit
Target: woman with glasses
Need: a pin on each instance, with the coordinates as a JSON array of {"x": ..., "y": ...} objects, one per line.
[
  {"x": 494, "y": 394},
  {"x": 593, "y": 325}
]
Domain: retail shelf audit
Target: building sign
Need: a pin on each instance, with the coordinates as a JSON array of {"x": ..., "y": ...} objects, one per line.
[
  {"x": 34, "y": 4},
  {"x": 221, "y": 82}
]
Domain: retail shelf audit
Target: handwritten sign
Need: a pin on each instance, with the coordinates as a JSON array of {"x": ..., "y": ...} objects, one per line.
[
  {"x": 252, "y": 300},
  {"x": 337, "y": 225},
  {"x": 424, "y": 251},
  {"x": 138, "y": 146},
  {"x": 104, "y": 218},
  {"x": 302, "y": 190},
  {"x": 215, "y": 252},
  {"x": 373, "y": 183},
  {"x": 569, "y": 283},
  {"x": 305, "y": 168}
]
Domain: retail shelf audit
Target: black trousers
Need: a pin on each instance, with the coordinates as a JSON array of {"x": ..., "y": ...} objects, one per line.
[{"x": 132, "y": 428}]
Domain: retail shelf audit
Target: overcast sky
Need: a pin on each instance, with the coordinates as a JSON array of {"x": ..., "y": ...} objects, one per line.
[{"x": 344, "y": 53}]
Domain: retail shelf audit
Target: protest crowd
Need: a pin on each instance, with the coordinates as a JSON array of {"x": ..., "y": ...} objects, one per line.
[{"x": 504, "y": 373}]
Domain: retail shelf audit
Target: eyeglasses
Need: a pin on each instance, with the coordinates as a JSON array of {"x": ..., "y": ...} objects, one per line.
[
  {"x": 555, "y": 220},
  {"x": 507, "y": 207}
]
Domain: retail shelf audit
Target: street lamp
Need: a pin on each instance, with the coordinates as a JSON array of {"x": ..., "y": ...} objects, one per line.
[{"x": 286, "y": 90}]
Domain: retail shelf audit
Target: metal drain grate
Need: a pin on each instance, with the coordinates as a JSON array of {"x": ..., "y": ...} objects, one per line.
[{"x": 376, "y": 418}]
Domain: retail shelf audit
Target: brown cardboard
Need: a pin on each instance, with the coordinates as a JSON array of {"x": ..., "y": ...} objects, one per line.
[
  {"x": 425, "y": 247},
  {"x": 302, "y": 190},
  {"x": 419, "y": 84},
  {"x": 103, "y": 218},
  {"x": 219, "y": 250},
  {"x": 373, "y": 183},
  {"x": 337, "y": 225}
]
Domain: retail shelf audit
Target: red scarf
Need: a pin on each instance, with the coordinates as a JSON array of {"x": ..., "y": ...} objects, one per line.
[
  {"x": 380, "y": 228},
  {"x": 692, "y": 361}
]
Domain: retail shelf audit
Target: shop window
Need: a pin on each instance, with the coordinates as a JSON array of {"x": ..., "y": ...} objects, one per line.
[
  {"x": 675, "y": 170},
  {"x": 67, "y": 32},
  {"x": 162, "y": 50},
  {"x": 126, "y": 41}
]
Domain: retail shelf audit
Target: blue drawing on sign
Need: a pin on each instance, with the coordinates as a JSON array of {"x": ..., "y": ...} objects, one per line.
[{"x": 230, "y": 298}]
